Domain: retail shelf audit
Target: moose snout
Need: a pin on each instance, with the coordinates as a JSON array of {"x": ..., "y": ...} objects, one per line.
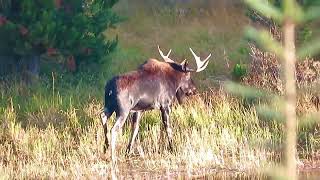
[{"x": 191, "y": 92}]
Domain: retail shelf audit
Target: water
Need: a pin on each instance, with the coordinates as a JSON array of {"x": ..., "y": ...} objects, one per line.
[
  {"x": 133, "y": 173},
  {"x": 310, "y": 174}
]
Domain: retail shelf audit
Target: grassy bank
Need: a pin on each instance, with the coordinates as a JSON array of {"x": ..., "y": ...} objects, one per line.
[
  {"x": 52, "y": 134},
  {"x": 206, "y": 28},
  {"x": 65, "y": 138}
]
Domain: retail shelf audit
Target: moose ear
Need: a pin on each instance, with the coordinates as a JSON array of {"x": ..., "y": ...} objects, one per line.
[{"x": 185, "y": 67}]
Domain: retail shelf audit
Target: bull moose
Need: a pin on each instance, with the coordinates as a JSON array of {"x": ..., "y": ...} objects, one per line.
[{"x": 154, "y": 85}]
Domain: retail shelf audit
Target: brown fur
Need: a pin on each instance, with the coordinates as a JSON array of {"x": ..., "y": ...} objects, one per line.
[
  {"x": 127, "y": 80},
  {"x": 153, "y": 68}
]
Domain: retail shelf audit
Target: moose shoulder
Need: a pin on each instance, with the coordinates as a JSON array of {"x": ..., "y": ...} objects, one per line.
[{"x": 154, "y": 85}]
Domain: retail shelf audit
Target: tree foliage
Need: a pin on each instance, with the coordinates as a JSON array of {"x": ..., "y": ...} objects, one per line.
[{"x": 72, "y": 28}]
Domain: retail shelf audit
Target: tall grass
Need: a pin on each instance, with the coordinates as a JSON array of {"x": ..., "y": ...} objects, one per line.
[{"x": 59, "y": 135}]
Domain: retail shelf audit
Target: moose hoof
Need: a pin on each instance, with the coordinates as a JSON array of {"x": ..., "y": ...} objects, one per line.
[{"x": 105, "y": 148}]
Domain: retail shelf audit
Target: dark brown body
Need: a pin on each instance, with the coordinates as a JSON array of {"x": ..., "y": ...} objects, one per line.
[{"x": 153, "y": 86}]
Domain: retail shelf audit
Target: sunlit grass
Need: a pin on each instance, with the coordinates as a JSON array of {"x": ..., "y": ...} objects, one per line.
[{"x": 64, "y": 138}]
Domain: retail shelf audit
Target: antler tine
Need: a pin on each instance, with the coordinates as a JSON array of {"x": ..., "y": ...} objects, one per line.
[
  {"x": 169, "y": 53},
  {"x": 166, "y": 58},
  {"x": 201, "y": 65}
]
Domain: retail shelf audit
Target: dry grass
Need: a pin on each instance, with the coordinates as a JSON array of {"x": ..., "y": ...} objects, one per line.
[
  {"x": 265, "y": 73},
  {"x": 212, "y": 133},
  {"x": 216, "y": 133}
]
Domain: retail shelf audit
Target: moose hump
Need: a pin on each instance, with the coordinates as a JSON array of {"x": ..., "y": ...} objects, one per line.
[
  {"x": 154, "y": 66},
  {"x": 150, "y": 69}
]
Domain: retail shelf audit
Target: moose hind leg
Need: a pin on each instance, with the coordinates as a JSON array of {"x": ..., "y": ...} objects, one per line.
[
  {"x": 134, "y": 128},
  {"x": 165, "y": 111},
  {"x": 104, "y": 120},
  {"x": 120, "y": 120}
]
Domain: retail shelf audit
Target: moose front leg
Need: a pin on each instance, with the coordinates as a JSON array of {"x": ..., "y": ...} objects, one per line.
[{"x": 165, "y": 111}]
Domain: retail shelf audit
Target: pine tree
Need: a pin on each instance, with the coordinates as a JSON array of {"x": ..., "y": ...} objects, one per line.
[
  {"x": 71, "y": 28},
  {"x": 288, "y": 14}
]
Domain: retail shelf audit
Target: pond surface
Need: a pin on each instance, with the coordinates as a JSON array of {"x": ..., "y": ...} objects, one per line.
[
  {"x": 313, "y": 174},
  {"x": 310, "y": 174}
]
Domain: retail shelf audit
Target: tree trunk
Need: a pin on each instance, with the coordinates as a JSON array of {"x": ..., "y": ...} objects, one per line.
[
  {"x": 33, "y": 65},
  {"x": 7, "y": 65},
  {"x": 290, "y": 98},
  {"x": 29, "y": 67}
]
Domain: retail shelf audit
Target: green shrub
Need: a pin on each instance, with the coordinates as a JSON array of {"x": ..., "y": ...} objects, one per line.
[{"x": 239, "y": 70}]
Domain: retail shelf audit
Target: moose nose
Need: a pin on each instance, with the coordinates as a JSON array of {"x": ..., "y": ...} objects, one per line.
[
  {"x": 191, "y": 92},
  {"x": 194, "y": 91}
]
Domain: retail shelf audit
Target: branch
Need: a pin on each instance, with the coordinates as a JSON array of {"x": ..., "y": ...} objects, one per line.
[
  {"x": 266, "y": 9},
  {"x": 264, "y": 39},
  {"x": 311, "y": 14},
  {"x": 309, "y": 49}
]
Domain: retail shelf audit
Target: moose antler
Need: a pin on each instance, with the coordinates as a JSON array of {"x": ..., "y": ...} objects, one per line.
[
  {"x": 201, "y": 65},
  {"x": 166, "y": 58}
]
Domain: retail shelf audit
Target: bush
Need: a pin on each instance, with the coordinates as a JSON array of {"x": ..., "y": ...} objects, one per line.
[{"x": 239, "y": 71}]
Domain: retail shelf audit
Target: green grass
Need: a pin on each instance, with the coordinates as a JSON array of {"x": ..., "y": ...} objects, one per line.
[{"x": 218, "y": 32}]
